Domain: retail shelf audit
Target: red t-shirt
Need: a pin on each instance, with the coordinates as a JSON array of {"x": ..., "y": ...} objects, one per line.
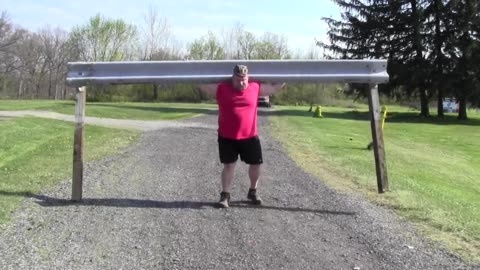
[{"x": 237, "y": 110}]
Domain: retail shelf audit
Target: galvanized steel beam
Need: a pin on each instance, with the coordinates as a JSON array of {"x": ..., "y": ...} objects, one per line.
[
  {"x": 139, "y": 72},
  {"x": 81, "y": 74}
]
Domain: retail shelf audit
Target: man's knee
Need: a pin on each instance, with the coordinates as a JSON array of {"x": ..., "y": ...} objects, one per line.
[
  {"x": 255, "y": 166},
  {"x": 229, "y": 166}
]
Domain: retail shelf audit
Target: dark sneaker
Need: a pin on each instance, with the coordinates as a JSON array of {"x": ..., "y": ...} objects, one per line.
[
  {"x": 224, "y": 200},
  {"x": 252, "y": 196}
]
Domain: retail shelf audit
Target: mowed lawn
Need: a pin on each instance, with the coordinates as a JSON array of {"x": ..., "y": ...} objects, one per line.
[
  {"x": 433, "y": 165},
  {"x": 37, "y": 153}
]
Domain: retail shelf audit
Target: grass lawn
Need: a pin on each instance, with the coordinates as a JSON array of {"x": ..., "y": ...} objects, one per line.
[
  {"x": 433, "y": 165},
  {"x": 37, "y": 153},
  {"x": 127, "y": 110}
]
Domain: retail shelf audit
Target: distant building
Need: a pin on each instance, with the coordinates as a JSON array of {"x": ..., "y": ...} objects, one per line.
[{"x": 450, "y": 105}]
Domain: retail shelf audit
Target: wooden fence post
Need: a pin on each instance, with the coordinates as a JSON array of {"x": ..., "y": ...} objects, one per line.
[
  {"x": 78, "y": 144},
  {"x": 377, "y": 136}
]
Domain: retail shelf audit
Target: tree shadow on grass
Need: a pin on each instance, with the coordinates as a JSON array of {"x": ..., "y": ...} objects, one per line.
[
  {"x": 166, "y": 110},
  {"x": 392, "y": 117}
]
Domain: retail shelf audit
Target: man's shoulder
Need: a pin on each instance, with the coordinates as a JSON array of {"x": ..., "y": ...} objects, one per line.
[{"x": 255, "y": 82}]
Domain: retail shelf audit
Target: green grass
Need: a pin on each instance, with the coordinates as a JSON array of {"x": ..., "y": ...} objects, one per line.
[
  {"x": 37, "y": 153},
  {"x": 127, "y": 110},
  {"x": 433, "y": 165}
]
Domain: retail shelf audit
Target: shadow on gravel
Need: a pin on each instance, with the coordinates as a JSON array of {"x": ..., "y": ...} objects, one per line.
[
  {"x": 47, "y": 201},
  {"x": 247, "y": 204},
  {"x": 115, "y": 202}
]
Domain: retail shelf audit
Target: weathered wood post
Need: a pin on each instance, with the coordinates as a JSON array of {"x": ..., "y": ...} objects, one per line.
[
  {"x": 377, "y": 137},
  {"x": 78, "y": 144}
]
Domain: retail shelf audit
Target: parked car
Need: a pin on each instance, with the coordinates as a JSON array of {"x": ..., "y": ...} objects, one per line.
[{"x": 264, "y": 101}]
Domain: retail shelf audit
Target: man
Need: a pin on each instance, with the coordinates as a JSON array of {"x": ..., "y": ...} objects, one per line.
[{"x": 237, "y": 129}]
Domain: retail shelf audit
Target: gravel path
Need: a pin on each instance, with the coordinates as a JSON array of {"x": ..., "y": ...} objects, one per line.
[{"x": 152, "y": 207}]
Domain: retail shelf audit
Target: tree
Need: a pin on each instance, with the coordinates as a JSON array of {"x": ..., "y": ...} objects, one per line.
[
  {"x": 9, "y": 37},
  {"x": 246, "y": 45},
  {"x": 385, "y": 29},
  {"x": 155, "y": 41},
  {"x": 437, "y": 11},
  {"x": 207, "y": 47},
  {"x": 56, "y": 49},
  {"x": 103, "y": 39},
  {"x": 465, "y": 52},
  {"x": 271, "y": 46},
  {"x": 156, "y": 36},
  {"x": 31, "y": 68},
  {"x": 229, "y": 40}
]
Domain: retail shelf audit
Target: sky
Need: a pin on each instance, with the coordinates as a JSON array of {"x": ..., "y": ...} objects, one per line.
[{"x": 299, "y": 21}]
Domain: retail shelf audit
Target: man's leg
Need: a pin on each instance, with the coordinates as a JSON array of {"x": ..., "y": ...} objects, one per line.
[
  {"x": 252, "y": 154},
  {"x": 254, "y": 174},
  {"x": 228, "y": 173}
]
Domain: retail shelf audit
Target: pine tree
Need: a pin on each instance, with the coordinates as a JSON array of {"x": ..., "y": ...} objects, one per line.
[
  {"x": 393, "y": 29},
  {"x": 465, "y": 52}
]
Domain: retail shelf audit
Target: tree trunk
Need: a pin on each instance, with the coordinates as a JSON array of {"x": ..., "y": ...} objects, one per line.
[
  {"x": 49, "y": 85},
  {"x": 424, "y": 110},
  {"x": 462, "y": 108},
  {"x": 440, "y": 104},
  {"x": 155, "y": 91},
  {"x": 55, "y": 85},
  {"x": 37, "y": 90},
  {"x": 4, "y": 85},
  {"x": 20, "y": 86},
  {"x": 439, "y": 58}
]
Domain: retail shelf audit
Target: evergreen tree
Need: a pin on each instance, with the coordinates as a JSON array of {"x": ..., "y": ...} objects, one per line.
[{"x": 392, "y": 29}]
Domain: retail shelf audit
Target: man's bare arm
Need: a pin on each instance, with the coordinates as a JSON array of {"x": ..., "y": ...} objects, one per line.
[
  {"x": 268, "y": 89},
  {"x": 208, "y": 89}
]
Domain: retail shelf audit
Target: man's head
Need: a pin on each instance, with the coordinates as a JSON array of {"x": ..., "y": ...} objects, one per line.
[{"x": 240, "y": 77}]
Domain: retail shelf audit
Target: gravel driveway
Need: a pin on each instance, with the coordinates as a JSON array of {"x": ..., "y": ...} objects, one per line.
[{"x": 152, "y": 207}]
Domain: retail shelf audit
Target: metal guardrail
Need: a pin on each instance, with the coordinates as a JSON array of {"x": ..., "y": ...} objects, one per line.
[
  {"x": 139, "y": 72},
  {"x": 81, "y": 74}
]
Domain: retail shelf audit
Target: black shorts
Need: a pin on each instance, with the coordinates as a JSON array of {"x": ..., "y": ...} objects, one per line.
[{"x": 250, "y": 150}]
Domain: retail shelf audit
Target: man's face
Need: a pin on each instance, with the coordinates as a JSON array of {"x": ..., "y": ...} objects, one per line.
[{"x": 240, "y": 82}]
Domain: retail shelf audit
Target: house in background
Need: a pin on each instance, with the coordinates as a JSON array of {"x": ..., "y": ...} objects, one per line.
[{"x": 450, "y": 105}]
